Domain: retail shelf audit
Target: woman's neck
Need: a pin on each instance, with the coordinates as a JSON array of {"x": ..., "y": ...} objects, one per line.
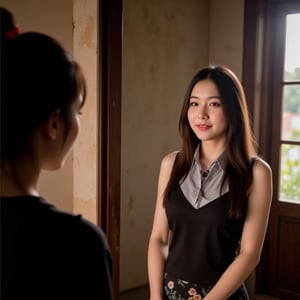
[
  {"x": 209, "y": 153},
  {"x": 17, "y": 180}
]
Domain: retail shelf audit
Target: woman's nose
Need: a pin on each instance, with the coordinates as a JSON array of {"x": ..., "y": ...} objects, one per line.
[{"x": 202, "y": 114}]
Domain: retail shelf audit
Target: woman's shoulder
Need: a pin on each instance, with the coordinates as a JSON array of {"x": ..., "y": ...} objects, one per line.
[
  {"x": 167, "y": 164},
  {"x": 79, "y": 228},
  {"x": 169, "y": 159},
  {"x": 261, "y": 167}
]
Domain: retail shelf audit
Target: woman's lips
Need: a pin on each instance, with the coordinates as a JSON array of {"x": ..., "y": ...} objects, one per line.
[{"x": 203, "y": 127}]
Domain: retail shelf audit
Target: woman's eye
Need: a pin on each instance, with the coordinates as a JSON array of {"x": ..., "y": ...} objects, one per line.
[
  {"x": 215, "y": 104},
  {"x": 193, "y": 103}
]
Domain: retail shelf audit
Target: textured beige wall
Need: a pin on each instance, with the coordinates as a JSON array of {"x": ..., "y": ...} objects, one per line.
[
  {"x": 85, "y": 149},
  {"x": 164, "y": 44},
  {"x": 226, "y": 27}
]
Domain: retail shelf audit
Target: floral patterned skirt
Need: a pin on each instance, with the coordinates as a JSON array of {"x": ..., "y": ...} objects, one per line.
[{"x": 178, "y": 289}]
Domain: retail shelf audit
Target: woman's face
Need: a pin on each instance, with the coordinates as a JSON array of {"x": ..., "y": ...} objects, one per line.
[{"x": 206, "y": 114}]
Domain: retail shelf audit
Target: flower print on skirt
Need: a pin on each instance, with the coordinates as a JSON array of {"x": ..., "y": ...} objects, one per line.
[{"x": 179, "y": 289}]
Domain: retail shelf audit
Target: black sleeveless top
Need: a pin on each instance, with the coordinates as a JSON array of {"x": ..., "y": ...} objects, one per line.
[{"x": 204, "y": 241}]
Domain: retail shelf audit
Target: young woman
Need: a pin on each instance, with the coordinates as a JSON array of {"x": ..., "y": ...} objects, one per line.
[
  {"x": 213, "y": 197},
  {"x": 45, "y": 253}
]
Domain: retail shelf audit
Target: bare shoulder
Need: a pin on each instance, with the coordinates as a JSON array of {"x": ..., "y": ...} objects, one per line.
[
  {"x": 165, "y": 171},
  {"x": 261, "y": 168},
  {"x": 262, "y": 179},
  {"x": 168, "y": 160}
]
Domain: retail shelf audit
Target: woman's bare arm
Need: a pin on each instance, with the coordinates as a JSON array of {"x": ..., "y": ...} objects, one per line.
[
  {"x": 158, "y": 242},
  {"x": 253, "y": 234}
]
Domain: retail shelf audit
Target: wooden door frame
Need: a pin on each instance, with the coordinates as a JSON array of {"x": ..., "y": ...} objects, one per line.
[
  {"x": 109, "y": 127},
  {"x": 256, "y": 77},
  {"x": 282, "y": 213}
]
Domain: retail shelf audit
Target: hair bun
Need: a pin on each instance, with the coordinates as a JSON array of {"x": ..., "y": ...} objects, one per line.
[{"x": 9, "y": 28}]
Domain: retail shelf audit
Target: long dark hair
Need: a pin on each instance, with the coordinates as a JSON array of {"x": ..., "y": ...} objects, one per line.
[
  {"x": 38, "y": 76},
  {"x": 239, "y": 146}
]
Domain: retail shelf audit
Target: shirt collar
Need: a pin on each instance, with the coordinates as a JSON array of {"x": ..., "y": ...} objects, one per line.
[{"x": 220, "y": 161}]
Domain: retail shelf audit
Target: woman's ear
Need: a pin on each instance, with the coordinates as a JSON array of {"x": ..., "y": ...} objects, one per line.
[{"x": 52, "y": 124}]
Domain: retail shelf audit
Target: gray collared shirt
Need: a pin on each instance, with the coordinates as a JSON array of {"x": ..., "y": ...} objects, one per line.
[{"x": 200, "y": 190}]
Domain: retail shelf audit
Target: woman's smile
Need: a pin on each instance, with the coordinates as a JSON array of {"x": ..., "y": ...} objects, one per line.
[{"x": 203, "y": 127}]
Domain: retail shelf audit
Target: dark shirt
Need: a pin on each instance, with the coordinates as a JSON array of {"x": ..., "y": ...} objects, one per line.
[
  {"x": 50, "y": 254},
  {"x": 203, "y": 241}
]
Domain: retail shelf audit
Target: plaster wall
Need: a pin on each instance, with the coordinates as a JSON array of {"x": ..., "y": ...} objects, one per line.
[
  {"x": 226, "y": 33},
  {"x": 85, "y": 45},
  {"x": 164, "y": 44}
]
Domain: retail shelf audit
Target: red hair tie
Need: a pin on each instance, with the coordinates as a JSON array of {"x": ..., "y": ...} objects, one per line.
[{"x": 12, "y": 33}]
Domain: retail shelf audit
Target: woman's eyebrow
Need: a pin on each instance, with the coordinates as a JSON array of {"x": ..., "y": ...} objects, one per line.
[
  {"x": 213, "y": 97},
  {"x": 210, "y": 97}
]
